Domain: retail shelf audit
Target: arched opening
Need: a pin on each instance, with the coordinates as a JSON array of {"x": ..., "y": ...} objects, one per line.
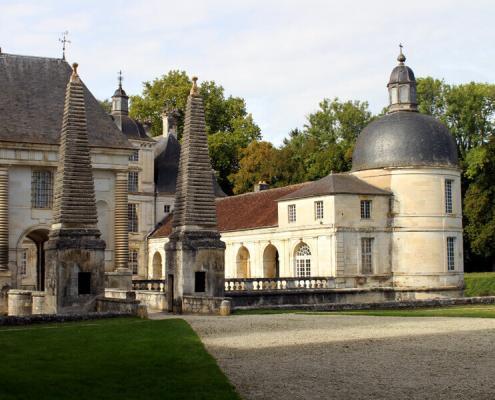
[
  {"x": 302, "y": 258},
  {"x": 157, "y": 266},
  {"x": 243, "y": 267},
  {"x": 31, "y": 259},
  {"x": 271, "y": 266}
]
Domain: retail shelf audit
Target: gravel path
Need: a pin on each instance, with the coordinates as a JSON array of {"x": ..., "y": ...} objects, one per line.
[{"x": 295, "y": 356}]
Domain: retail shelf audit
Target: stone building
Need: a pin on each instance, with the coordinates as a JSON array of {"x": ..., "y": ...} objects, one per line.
[
  {"x": 32, "y": 92},
  {"x": 394, "y": 222}
]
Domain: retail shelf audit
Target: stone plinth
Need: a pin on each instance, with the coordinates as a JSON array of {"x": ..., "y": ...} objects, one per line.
[
  {"x": 121, "y": 278},
  {"x": 38, "y": 302},
  {"x": 19, "y": 302}
]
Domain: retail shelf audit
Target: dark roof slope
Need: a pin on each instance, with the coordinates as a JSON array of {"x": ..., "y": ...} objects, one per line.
[
  {"x": 167, "y": 156},
  {"x": 336, "y": 184},
  {"x": 32, "y": 91},
  {"x": 245, "y": 211},
  {"x": 131, "y": 128}
]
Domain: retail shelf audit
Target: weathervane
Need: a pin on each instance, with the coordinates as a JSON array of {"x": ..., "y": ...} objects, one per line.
[
  {"x": 64, "y": 42},
  {"x": 120, "y": 78}
]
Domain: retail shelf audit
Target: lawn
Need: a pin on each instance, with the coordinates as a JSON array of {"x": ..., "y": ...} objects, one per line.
[
  {"x": 121, "y": 359},
  {"x": 479, "y": 284}
]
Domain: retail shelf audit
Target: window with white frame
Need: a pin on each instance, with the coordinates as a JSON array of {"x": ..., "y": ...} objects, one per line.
[
  {"x": 365, "y": 209},
  {"x": 166, "y": 208},
  {"x": 41, "y": 189},
  {"x": 133, "y": 261},
  {"x": 367, "y": 255},
  {"x": 134, "y": 156},
  {"x": 303, "y": 261},
  {"x": 318, "y": 210},
  {"x": 23, "y": 264},
  {"x": 133, "y": 181},
  {"x": 448, "y": 196},
  {"x": 291, "y": 210},
  {"x": 450, "y": 253},
  {"x": 132, "y": 217}
]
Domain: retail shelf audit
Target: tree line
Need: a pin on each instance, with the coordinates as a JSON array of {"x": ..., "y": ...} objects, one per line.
[{"x": 325, "y": 143}]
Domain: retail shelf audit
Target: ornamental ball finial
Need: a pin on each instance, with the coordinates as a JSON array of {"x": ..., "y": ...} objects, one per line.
[
  {"x": 401, "y": 58},
  {"x": 194, "y": 88}
]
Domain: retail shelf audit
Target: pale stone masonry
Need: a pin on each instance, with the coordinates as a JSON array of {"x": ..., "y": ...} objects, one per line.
[
  {"x": 195, "y": 253},
  {"x": 75, "y": 253}
]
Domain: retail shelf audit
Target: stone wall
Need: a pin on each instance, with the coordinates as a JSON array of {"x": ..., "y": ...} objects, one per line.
[
  {"x": 109, "y": 305},
  {"x": 201, "y": 304},
  {"x": 152, "y": 300}
]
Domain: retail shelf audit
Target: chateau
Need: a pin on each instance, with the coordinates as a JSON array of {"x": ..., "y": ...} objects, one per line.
[{"x": 393, "y": 224}]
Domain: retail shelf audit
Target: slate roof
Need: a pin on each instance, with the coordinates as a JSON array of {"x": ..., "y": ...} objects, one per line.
[
  {"x": 32, "y": 91},
  {"x": 336, "y": 184},
  {"x": 167, "y": 155},
  {"x": 131, "y": 128},
  {"x": 244, "y": 211}
]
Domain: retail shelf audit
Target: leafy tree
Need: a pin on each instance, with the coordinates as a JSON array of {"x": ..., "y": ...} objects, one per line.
[{"x": 106, "y": 105}]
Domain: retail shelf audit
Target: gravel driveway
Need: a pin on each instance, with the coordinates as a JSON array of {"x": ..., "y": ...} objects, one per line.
[{"x": 295, "y": 356}]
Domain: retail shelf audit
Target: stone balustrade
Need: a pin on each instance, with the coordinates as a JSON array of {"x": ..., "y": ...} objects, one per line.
[
  {"x": 273, "y": 284},
  {"x": 157, "y": 285}
]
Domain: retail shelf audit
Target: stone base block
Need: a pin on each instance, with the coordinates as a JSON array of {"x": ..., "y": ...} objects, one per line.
[
  {"x": 121, "y": 278},
  {"x": 202, "y": 305},
  {"x": 20, "y": 302},
  {"x": 38, "y": 302}
]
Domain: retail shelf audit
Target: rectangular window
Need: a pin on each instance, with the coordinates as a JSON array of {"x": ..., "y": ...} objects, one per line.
[
  {"x": 84, "y": 283},
  {"x": 200, "y": 281},
  {"x": 133, "y": 261},
  {"x": 133, "y": 181},
  {"x": 42, "y": 189},
  {"x": 318, "y": 210},
  {"x": 367, "y": 255},
  {"x": 132, "y": 217},
  {"x": 23, "y": 266},
  {"x": 451, "y": 253},
  {"x": 448, "y": 196},
  {"x": 292, "y": 212},
  {"x": 134, "y": 156},
  {"x": 365, "y": 209},
  {"x": 166, "y": 208},
  {"x": 303, "y": 267}
]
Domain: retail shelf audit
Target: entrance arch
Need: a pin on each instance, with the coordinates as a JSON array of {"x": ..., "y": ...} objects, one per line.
[
  {"x": 243, "y": 263},
  {"x": 32, "y": 258},
  {"x": 157, "y": 266},
  {"x": 271, "y": 265}
]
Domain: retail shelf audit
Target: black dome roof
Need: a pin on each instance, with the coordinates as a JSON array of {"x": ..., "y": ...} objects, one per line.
[
  {"x": 402, "y": 74},
  {"x": 404, "y": 139}
]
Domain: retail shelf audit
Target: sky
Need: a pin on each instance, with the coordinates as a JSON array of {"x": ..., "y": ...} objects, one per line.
[{"x": 282, "y": 56}]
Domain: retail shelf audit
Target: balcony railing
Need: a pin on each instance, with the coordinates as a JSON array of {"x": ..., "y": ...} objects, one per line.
[
  {"x": 156, "y": 285},
  {"x": 273, "y": 284}
]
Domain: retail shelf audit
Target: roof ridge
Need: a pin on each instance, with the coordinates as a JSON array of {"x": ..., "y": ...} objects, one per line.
[
  {"x": 35, "y": 57},
  {"x": 265, "y": 191}
]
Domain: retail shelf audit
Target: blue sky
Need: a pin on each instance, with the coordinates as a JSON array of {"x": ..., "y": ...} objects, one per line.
[{"x": 283, "y": 57}]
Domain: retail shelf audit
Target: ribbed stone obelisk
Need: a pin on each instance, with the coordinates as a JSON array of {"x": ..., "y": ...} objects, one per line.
[
  {"x": 74, "y": 252},
  {"x": 195, "y": 253}
]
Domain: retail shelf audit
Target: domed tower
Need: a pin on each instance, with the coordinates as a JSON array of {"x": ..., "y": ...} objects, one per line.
[{"x": 415, "y": 157}]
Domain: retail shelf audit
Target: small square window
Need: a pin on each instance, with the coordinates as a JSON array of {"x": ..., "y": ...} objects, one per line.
[
  {"x": 318, "y": 210},
  {"x": 365, "y": 209},
  {"x": 200, "y": 281},
  {"x": 166, "y": 208},
  {"x": 292, "y": 212},
  {"x": 134, "y": 156}
]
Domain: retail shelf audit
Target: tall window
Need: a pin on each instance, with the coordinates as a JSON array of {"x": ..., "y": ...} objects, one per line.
[
  {"x": 451, "y": 253},
  {"x": 292, "y": 212},
  {"x": 132, "y": 217},
  {"x": 133, "y": 261},
  {"x": 318, "y": 210},
  {"x": 133, "y": 181},
  {"x": 367, "y": 255},
  {"x": 41, "y": 189},
  {"x": 303, "y": 261},
  {"x": 134, "y": 156},
  {"x": 448, "y": 196},
  {"x": 23, "y": 265},
  {"x": 365, "y": 209}
]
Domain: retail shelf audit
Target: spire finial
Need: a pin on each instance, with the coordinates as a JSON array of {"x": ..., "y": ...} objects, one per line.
[
  {"x": 194, "y": 88},
  {"x": 74, "y": 71},
  {"x": 64, "y": 42},
  {"x": 120, "y": 78},
  {"x": 401, "y": 58}
]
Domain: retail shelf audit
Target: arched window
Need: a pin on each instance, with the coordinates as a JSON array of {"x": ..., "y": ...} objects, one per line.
[
  {"x": 243, "y": 267},
  {"x": 271, "y": 262},
  {"x": 157, "y": 266},
  {"x": 303, "y": 260}
]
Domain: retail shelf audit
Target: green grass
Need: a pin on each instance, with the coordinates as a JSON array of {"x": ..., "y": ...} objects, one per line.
[
  {"x": 479, "y": 284},
  {"x": 121, "y": 359}
]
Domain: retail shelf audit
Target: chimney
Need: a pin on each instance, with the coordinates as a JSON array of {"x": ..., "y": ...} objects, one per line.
[
  {"x": 260, "y": 186},
  {"x": 170, "y": 121}
]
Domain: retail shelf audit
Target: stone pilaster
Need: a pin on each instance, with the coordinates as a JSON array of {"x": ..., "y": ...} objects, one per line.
[
  {"x": 4, "y": 218},
  {"x": 121, "y": 276}
]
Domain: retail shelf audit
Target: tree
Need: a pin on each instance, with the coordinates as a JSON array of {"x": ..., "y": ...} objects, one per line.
[
  {"x": 106, "y": 105},
  {"x": 257, "y": 163}
]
